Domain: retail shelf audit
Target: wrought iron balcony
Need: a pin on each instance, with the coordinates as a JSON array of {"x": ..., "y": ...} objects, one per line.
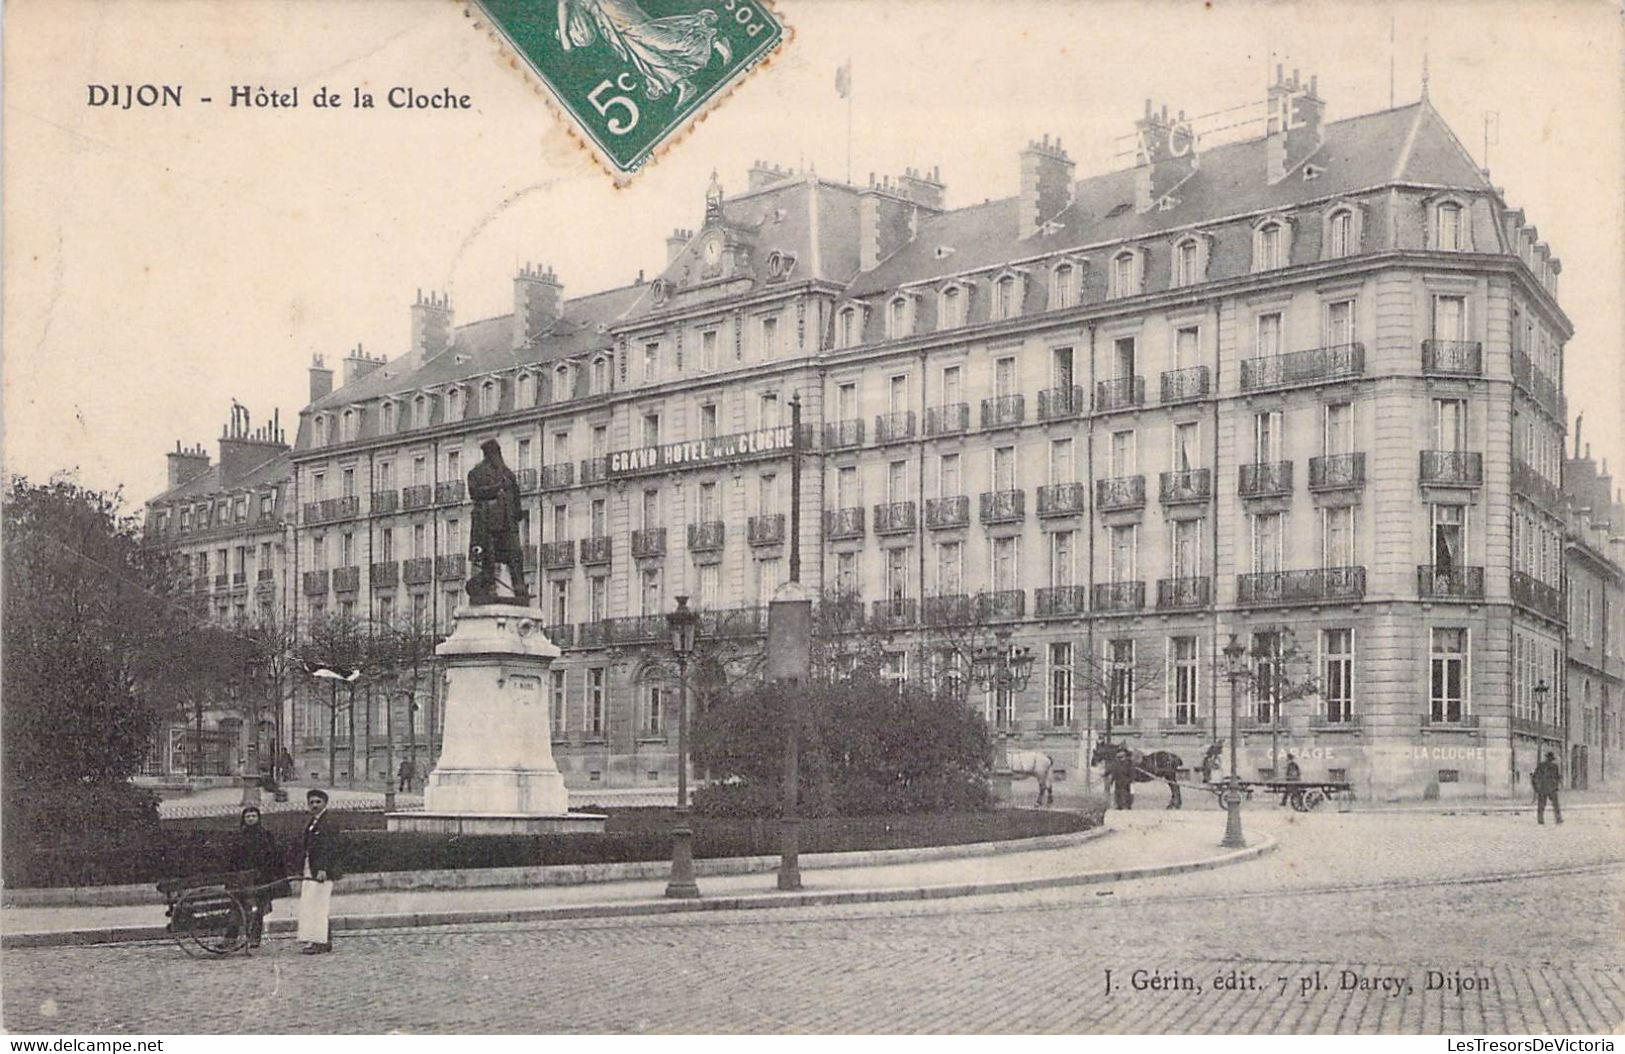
[
  {"x": 1175, "y": 594},
  {"x": 330, "y": 509},
  {"x": 385, "y": 574},
  {"x": 1337, "y": 472},
  {"x": 1453, "y": 358},
  {"x": 222, "y": 580},
  {"x": 416, "y": 496},
  {"x": 418, "y": 570},
  {"x": 593, "y": 633},
  {"x": 1056, "y": 404},
  {"x": 1532, "y": 593},
  {"x": 1062, "y": 499},
  {"x": 894, "y": 427},
  {"x": 1532, "y": 485},
  {"x": 635, "y": 629},
  {"x": 266, "y": 574},
  {"x": 1188, "y": 487},
  {"x": 1449, "y": 582},
  {"x": 1534, "y": 382},
  {"x": 838, "y": 435},
  {"x": 952, "y": 511},
  {"x": 593, "y": 470},
  {"x": 346, "y": 579},
  {"x": 766, "y": 529},
  {"x": 315, "y": 582},
  {"x": 1002, "y": 605},
  {"x": 947, "y": 420},
  {"x": 844, "y": 523},
  {"x": 733, "y": 623},
  {"x": 451, "y": 565},
  {"x": 448, "y": 492},
  {"x": 596, "y": 550},
  {"x": 563, "y": 634},
  {"x": 1266, "y": 479},
  {"x": 1122, "y": 492},
  {"x": 1056, "y": 601},
  {"x": 895, "y": 613},
  {"x": 557, "y": 477},
  {"x": 1119, "y": 393},
  {"x": 558, "y": 555},
  {"x": 239, "y": 579},
  {"x": 1004, "y": 506},
  {"x": 1446, "y": 721},
  {"x": 385, "y": 501},
  {"x": 1315, "y": 366},
  {"x": 1119, "y": 596},
  {"x": 706, "y": 536},
  {"x": 529, "y": 480},
  {"x": 895, "y": 517},
  {"x": 1192, "y": 382},
  {"x": 1452, "y": 468},
  {"x": 952, "y": 609},
  {"x": 1003, "y": 411},
  {"x": 650, "y": 541},
  {"x": 1313, "y": 586}
]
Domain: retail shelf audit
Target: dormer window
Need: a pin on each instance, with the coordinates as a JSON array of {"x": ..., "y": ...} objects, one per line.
[
  {"x": 561, "y": 383},
  {"x": 490, "y": 397},
  {"x": 1063, "y": 285},
  {"x": 524, "y": 391},
  {"x": 846, "y": 328},
  {"x": 186, "y": 520},
  {"x": 899, "y": 317},
  {"x": 952, "y": 304},
  {"x": 1342, "y": 238},
  {"x": 321, "y": 430},
  {"x": 420, "y": 412},
  {"x": 1006, "y": 297},
  {"x": 1270, "y": 245},
  {"x": 386, "y": 417},
  {"x": 1190, "y": 261},
  {"x": 454, "y": 404},
  {"x": 600, "y": 375},
  {"x": 348, "y": 425},
  {"x": 1125, "y": 274},
  {"x": 1448, "y": 227}
]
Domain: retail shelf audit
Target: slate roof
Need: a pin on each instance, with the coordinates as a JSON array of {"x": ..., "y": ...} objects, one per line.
[{"x": 275, "y": 469}]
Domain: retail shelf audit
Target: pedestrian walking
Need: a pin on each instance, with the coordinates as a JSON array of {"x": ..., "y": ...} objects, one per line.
[
  {"x": 1547, "y": 778},
  {"x": 408, "y": 772},
  {"x": 254, "y": 849},
  {"x": 320, "y": 869},
  {"x": 1293, "y": 775}
]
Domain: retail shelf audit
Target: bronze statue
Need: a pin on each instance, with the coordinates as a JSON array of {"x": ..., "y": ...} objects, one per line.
[{"x": 494, "y": 537}]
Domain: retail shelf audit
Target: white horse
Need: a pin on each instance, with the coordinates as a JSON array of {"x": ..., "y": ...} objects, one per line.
[{"x": 1024, "y": 763}]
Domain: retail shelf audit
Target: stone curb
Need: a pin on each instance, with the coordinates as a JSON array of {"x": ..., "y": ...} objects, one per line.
[
  {"x": 1474, "y": 809},
  {"x": 562, "y": 874},
  {"x": 639, "y": 908}
]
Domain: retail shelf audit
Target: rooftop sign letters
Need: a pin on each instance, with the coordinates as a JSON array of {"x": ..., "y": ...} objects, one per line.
[{"x": 696, "y": 452}]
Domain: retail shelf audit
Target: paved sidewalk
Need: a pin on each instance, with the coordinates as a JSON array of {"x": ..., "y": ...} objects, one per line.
[{"x": 1141, "y": 843}]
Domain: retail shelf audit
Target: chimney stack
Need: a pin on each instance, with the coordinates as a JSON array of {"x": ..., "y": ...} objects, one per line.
[
  {"x": 676, "y": 241},
  {"x": 1165, "y": 152},
  {"x": 186, "y": 463},
  {"x": 1294, "y": 124},
  {"x": 243, "y": 447},
  {"x": 431, "y": 324},
  {"x": 886, "y": 223},
  {"x": 538, "y": 301},
  {"x": 321, "y": 379},
  {"x": 924, "y": 188},
  {"x": 762, "y": 174},
  {"x": 1046, "y": 185},
  {"x": 358, "y": 364}
]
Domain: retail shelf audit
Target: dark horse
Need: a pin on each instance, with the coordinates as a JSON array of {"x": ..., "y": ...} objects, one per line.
[{"x": 1141, "y": 767}]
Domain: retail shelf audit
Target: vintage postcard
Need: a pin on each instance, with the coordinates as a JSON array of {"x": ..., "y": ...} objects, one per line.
[{"x": 812, "y": 516}]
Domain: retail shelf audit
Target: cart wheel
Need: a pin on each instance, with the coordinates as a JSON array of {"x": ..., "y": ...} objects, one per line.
[
  {"x": 1313, "y": 798},
  {"x": 209, "y": 922},
  {"x": 1298, "y": 802}
]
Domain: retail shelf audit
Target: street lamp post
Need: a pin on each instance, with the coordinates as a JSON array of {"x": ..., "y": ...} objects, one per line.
[
  {"x": 1002, "y": 669},
  {"x": 1234, "y": 656},
  {"x": 682, "y": 624},
  {"x": 1540, "y": 717}
]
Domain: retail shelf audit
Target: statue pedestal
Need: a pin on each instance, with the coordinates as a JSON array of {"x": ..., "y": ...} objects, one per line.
[{"x": 496, "y": 773}]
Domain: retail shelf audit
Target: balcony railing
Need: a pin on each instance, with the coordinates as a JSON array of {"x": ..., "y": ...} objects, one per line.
[
  {"x": 636, "y": 629},
  {"x": 557, "y": 477},
  {"x": 1535, "y": 383},
  {"x": 558, "y": 555},
  {"x": 1055, "y": 601},
  {"x": 955, "y": 609},
  {"x": 706, "y": 536},
  {"x": 1121, "y": 492},
  {"x": 1313, "y": 586},
  {"x": 315, "y": 582},
  {"x": 1056, "y": 404},
  {"x": 1003, "y": 411},
  {"x": 1004, "y": 506},
  {"x": 1449, "y": 582},
  {"x": 239, "y": 579},
  {"x": 1119, "y": 596},
  {"x": 416, "y": 496},
  {"x": 1119, "y": 393},
  {"x": 385, "y": 574},
  {"x": 649, "y": 541},
  {"x": 1315, "y": 366},
  {"x": 266, "y": 574},
  {"x": 1266, "y": 479},
  {"x": 895, "y": 517},
  {"x": 451, "y": 565},
  {"x": 596, "y": 550},
  {"x": 733, "y": 623},
  {"x": 844, "y": 523},
  {"x": 385, "y": 501},
  {"x": 1460, "y": 721},
  {"x": 1336, "y": 472},
  {"x": 592, "y": 634},
  {"x": 329, "y": 509},
  {"x": 947, "y": 420},
  {"x": 1452, "y": 358},
  {"x": 1187, "y": 487},
  {"x": 894, "y": 427},
  {"x": 838, "y": 435},
  {"x": 593, "y": 469},
  {"x": 1062, "y": 499},
  {"x": 1452, "y": 468},
  {"x": 1002, "y": 605},
  {"x": 563, "y": 634},
  {"x": 1180, "y": 386},
  {"x": 1534, "y": 486},
  {"x": 1175, "y": 594},
  {"x": 528, "y": 480},
  {"x": 222, "y": 580},
  {"x": 942, "y": 513},
  {"x": 418, "y": 570},
  {"x": 895, "y": 613},
  {"x": 766, "y": 529},
  {"x": 1536, "y": 595},
  {"x": 346, "y": 579},
  {"x": 448, "y": 492}
]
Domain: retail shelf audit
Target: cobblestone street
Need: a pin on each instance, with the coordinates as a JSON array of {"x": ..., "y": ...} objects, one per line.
[{"x": 1335, "y": 932}]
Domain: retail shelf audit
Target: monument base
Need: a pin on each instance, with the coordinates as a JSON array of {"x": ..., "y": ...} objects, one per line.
[{"x": 494, "y": 823}]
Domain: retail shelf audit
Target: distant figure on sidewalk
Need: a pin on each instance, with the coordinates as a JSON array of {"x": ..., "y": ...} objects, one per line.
[
  {"x": 1121, "y": 773},
  {"x": 1547, "y": 778},
  {"x": 255, "y": 850},
  {"x": 408, "y": 773},
  {"x": 320, "y": 871},
  {"x": 1293, "y": 775}
]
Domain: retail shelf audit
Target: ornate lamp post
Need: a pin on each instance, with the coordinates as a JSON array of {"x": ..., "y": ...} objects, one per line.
[
  {"x": 1540, "y": 717},
  {"x": 682, "y": 623},
  {"x": 1235, "y": 654},
  {"x": 1000, "y": 667}
]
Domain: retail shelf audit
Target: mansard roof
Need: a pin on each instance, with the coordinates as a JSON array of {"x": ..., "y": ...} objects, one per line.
[{"x": 206, "y": 484}]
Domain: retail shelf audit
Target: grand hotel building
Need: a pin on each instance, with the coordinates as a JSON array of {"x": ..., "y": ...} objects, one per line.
[{"x": 1307, "y": 384}]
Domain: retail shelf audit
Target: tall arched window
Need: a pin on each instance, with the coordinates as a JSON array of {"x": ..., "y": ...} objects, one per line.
[
  {"x": 1340, "y": 234},
  {"x": 951, "y": 307},
  {"x": 1449, "y": 227},
  {"x": 1187, "y": 262},
  {"x": 454, "y": 404},
  {"x": 1125, "y": 276},
  {"x": 600, "y": 375},
  {"x": 347, "y": 426},
  {"x": 846, "y": 328},
  {"x": 897, "y": 320},
  {"x": 525, "y": 391},
  {"x": 1269, "y": 246},
  {"x": 386, "y": 417},
  {"x": 420, "y": 412},
  {"x": 561, "y": 384},
  {"x": 1063, "y": 286},
  {"x": 1004, "y": 297},
  {"x": 490, "y": 397}
]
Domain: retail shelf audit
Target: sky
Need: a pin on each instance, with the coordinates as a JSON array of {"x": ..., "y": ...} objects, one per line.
[{"x": 162, "y": 262}]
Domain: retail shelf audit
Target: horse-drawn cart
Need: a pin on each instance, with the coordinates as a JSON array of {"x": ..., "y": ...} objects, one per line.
[
  {"x": 210, "y": 914},
  {"x": 1302, "y": 795}
]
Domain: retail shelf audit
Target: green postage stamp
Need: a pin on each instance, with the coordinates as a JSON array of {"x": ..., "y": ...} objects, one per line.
[{"x": 634, "y": 72}]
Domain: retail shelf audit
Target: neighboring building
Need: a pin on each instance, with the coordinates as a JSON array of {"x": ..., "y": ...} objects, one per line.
[
  {"x": 228, "y": 527},
  {"x": 1310, "y": 381},
  {"x": 1594, "y": 569}
]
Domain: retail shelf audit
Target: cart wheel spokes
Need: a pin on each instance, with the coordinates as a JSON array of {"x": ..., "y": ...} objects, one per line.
[
  {"x": 1313, "y": 799},
  {"x": 210, "y": 922}
]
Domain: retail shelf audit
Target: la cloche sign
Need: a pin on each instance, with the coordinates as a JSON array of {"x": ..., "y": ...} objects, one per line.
[{"x": 695, "y": 452}]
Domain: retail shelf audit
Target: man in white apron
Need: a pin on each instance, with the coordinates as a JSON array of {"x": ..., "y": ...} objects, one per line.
[{"x": 320, "y": 871}]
